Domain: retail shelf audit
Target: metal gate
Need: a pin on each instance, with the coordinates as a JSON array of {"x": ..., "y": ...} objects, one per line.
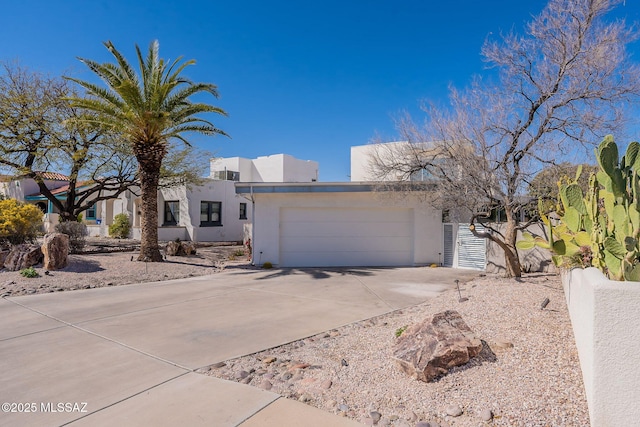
[
  {"x": 472, "y": 250},
  {"x": 462, "y": 249},
  {"x": 448, "y": 245}
]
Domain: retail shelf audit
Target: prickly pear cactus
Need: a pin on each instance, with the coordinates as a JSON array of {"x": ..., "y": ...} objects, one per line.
[{"x": 601, "y": 228}]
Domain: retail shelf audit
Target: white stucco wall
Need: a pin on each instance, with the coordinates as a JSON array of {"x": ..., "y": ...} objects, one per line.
[
  {"x": 427, "y": 238},
  {"x": 296, "y": 170},
  {"x": 189, "y": 227},
  {"x": 273, "y": 168},
  {"x": 361, "y": 158},
  {"x": 606, "y": 325}
]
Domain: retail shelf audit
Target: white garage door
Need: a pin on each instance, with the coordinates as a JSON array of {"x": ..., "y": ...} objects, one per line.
[{"x": 332, "y": 237}]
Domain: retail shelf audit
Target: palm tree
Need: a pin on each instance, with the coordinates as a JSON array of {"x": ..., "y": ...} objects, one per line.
[{"x": 150, "y": 110}]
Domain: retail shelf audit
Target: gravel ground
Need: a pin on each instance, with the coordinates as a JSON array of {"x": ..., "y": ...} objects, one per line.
[
  {"x": 528, "y": 373},
  {"x": 117, "y": 265}
]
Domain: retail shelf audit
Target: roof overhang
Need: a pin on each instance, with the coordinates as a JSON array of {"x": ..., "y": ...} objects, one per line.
[{"x": 328, "y": 187}]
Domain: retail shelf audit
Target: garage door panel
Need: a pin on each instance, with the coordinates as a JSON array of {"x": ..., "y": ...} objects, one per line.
[
  {"x": 344, "y": 244},
  {"x": 333, "y": 215},
  {"x": 318, "y": 237},
  {"x": 350, "y": 258},
  {"x": 318, "y": 229}
]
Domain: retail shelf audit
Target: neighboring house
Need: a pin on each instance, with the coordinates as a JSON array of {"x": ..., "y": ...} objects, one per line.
[
  {"x": 20, "y": 187},
  {"x": 211, "y": 211}
]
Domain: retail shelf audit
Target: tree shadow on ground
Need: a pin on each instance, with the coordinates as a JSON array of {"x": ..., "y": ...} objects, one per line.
[
  {"x": 319, "y": 272},
  {"x": 82, "y": 266}
]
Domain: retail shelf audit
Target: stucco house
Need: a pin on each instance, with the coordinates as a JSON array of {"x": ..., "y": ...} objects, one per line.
[{"x": 356, "y": 223}]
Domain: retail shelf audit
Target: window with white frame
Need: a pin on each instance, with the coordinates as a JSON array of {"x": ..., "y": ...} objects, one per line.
[
  {"x": 210, "y": 214},
  {"x": 91, "y": 212}
]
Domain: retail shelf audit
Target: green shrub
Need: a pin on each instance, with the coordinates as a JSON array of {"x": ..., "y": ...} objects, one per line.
[
  {"x": 29, "y": 272},
  {"x": 76, "y": 232},
  {"x": 400, "y": 331},
  {"x": 267, "y": 265},
  {"x": 121, "y": 227},
  {"x": 238, "y": 252},
  {"x": 19, "y": 222}
]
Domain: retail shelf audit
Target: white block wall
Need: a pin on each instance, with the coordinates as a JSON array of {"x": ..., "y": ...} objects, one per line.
[{"x": 605, "y": 316}]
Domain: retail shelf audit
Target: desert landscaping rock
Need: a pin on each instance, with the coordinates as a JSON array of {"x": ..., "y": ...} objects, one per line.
[
  {"x": 429, "y": 349},
  {"x": 23, "y": 256},
  {"x": 3, "y": 256},
  {"x": 486, "y": 415},
  {"x": 55, "y": 251},
  {"x": 453, "y": 410},
  {"x": 500, "y": 345}
]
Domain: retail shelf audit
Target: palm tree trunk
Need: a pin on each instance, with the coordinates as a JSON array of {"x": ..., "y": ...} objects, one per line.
[{"x": 149, "y": 177}]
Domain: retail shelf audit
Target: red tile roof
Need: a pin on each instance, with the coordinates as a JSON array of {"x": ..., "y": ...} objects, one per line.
[{"x": 53, "y": 176}]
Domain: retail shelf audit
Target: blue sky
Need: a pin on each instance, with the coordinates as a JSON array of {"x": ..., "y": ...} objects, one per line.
[{"x": 310, "y": 79}]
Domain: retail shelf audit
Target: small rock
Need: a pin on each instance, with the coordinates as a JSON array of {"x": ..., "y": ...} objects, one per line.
[
  {"x": 286, "y": 376},
  {"x": 299, "y": 366},
  {"x": 240, "y": 375},
  {"x": 423, "y": 424},
  {"x": 344, "y": 362},
  {"x": 326, "y": 385},
  {"x": 375, "y": 416},
  {"x": 330, "y": 404},
  {"x": 500, "y": 344},
  {"x": 343, "y": 408},
  {"x": 486, "y": 415},
  {"x": 266, "y": 385},
  {"x": 304, "y": 398},
  {"x": 247, "y": 380},
  {"x": 453, "y": 410},
  {"x": 269, "y": 360},
  {"x": 218, "y": 365}
]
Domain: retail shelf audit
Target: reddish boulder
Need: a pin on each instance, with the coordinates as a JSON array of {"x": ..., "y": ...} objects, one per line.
[
  {"x": 428, "y": 350},
  {"x": 55, "y": 249},
  {"x": 23, "y": 256}
]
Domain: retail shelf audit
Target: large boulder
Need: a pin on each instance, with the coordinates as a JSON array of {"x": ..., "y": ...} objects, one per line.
[
  {"x": 3, "y": 256},
  {"x": 174, "y": 248},
  {"x": 428, "y": 350},
  {"x": 55, "y": 249},
  {"x": 189, "y": 248},
  {"x": 178, "y": 248},
  {"x": 23, "y": 256}
]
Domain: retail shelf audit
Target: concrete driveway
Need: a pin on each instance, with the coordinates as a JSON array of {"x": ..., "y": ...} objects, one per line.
[{"x": 126, "y": 355}]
